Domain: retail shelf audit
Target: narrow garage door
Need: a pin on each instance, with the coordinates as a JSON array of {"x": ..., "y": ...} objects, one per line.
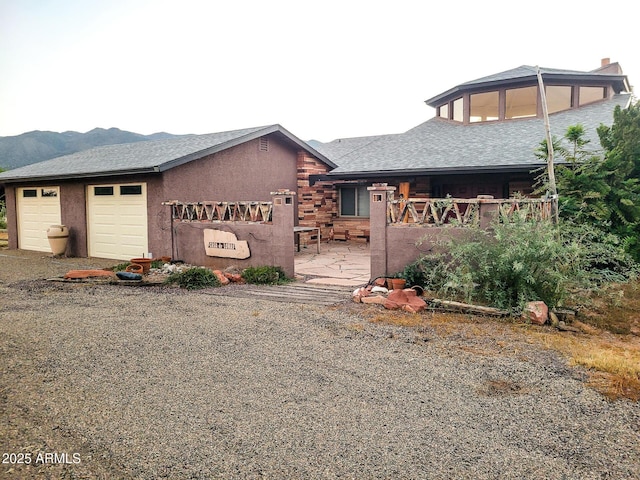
[
  {"x": 117, "y": 221},
  {"x": 38, "y": 209}
]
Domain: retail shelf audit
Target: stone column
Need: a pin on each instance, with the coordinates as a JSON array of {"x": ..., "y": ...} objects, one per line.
[
  {"x": 379, "y": 193},
  {"x": 283, "y": 237}
]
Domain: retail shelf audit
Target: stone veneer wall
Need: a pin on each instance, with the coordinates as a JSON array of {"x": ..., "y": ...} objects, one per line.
[{"x": 317, "y": 204}]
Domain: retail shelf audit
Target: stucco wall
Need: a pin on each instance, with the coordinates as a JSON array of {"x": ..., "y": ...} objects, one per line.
[{"x": 240, "y": 173}]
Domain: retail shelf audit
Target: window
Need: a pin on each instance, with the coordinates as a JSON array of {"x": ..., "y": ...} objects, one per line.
[
  {"x": 521, "y": 102},
  {"x": 591, "y": 94},
  {"x": 29, "y": 193},
  {"x": 458, "y": 111},
  {"x": 97, "y": 191},
  {"x": 483, "y": 106},
  {"x": 558, "y": 98},
  {"x": 131, "y": 190},
  {"x": 354, "y": 201},
  {"x": 444, "y": 111},
  {"x": 49, "y": 192}
]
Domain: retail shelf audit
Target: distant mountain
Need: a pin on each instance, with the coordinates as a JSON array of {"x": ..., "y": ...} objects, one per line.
[{"x": 36, "y": 146}]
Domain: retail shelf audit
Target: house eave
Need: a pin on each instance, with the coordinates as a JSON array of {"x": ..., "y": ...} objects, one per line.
[
  {"x": 434, "y": 171},
  {"x": 77, "y": 176}
]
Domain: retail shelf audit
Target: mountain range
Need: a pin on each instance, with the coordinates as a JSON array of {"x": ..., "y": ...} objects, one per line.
[{"x": 36, "y": 146}]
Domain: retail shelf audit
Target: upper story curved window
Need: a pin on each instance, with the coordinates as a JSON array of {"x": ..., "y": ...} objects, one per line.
[
  {"x": 484, "y": 107},
  {"x": 514, "y": 103}
]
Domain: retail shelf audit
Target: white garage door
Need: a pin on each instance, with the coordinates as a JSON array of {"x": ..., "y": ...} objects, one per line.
[
  {"x": 117, "y": 221},
  {"x": 38, "y": 209}
]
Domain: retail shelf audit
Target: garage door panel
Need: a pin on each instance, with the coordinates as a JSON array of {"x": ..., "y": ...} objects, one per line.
[
  {"x": 117, "y": 223},
  {"x": 38, "y": 209}
]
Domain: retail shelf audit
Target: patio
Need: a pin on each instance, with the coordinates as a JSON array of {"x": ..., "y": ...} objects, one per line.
[{"x": 338, "y": 263}]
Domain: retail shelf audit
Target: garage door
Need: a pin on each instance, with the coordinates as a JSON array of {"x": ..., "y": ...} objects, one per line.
[
  {"x": 117, "y": 221},
  {"x": 38, "y": 208}
]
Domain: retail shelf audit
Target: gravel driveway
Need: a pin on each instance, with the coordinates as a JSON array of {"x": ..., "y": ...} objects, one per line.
[{"x": 152, "y": 382}]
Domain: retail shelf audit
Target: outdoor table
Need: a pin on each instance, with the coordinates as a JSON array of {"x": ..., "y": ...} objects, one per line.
[{"x": 298, "y": 230}]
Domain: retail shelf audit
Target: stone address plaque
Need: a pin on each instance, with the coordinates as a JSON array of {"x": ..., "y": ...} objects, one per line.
[{"x": 218, "y": 243}]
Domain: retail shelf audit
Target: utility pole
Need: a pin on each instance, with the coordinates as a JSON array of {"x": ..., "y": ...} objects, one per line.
[{"x": 550, "y": 167}]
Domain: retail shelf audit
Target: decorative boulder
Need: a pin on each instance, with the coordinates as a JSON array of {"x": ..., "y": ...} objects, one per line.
[
  {"x": 536, "y": 312},
  {"x": 406, "y": 300}
]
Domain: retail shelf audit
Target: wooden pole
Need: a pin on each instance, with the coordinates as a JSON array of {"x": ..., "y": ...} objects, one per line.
[{"x": 550, "y": 167}]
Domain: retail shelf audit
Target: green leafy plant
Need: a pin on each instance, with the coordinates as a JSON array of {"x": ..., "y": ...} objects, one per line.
[
  {"x": 194, "y": 278},
  {"x": 3, "y": 215},
  {"x": 157, "y": 264},
  {"x": 120, "y": 267},
  {"x": 520, "y": 261},
  {"x": 266, "y": 275}
]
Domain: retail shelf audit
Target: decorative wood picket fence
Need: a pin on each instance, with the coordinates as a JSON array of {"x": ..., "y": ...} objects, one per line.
[
  {"x": 258, "y": 212},
  {"x": 463, "y": 211}
]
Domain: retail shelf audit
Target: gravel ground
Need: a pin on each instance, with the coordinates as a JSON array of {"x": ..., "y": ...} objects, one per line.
[{"x": 152, "y": 382}]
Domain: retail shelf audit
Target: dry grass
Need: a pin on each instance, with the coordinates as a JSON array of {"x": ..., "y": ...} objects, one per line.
[{"x": 607, "y": 344}]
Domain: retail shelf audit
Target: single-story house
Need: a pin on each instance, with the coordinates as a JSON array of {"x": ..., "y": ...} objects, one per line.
[{"x": 481, "y": 141}]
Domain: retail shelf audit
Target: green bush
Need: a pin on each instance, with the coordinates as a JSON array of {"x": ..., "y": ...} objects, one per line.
[
  {"x": 194, "y": 278},
  {"x": 266, "y": 275},
  {"x": 514, "y": 263},
  {"x": 3, "y": 215}
]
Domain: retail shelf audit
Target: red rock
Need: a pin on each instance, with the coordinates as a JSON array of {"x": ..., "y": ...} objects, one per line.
[
  {"x": 536, "y": 312},
  {"x": 88, "y": 273},
  {"x": 223, "y": 280},
  {"x": 405, "y": 299}
]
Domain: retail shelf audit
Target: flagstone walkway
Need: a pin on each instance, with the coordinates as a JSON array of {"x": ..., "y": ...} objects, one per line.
[{"x": 338, "y": 263}]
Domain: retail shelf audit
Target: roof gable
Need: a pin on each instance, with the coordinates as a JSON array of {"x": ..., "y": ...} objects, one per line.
[{"x": 147, "y": 157}]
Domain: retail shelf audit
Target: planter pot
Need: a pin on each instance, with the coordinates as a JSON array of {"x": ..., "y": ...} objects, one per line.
[
  {"x": 135, "y": 268},
  {"x": 398, "y": 283},
  {"x": 58, "y": 236},
  {"x": 145, "y": 262}
]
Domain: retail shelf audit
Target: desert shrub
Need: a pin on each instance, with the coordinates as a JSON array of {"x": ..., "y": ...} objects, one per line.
[
  {"x": 428, "y": 271},
  {"x": 266, "y": 275},
  {"x": 3, "y": 215},
  {"x": 517, "y": 262},
  {"x": 604, "y": 257},
  {"x": 194, "y": 278}
]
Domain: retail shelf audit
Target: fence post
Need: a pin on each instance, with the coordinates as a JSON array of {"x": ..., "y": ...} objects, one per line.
[
  {"x": 379, "y": 194},
  {"x": 283, "y": 236},
  {"x": 488, "y": 211}
]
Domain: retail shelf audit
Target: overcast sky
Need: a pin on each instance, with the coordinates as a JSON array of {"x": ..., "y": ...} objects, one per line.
[{"x": 322, "y": 69}]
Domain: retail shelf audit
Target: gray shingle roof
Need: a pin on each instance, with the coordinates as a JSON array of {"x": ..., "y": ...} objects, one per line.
[
  {"x": 526, "y": 74},
  {"x": 442, "y": 146},
  {"x": 144, "y": 157}
]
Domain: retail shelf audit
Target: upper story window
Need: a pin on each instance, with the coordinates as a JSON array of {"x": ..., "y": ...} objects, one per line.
[
  {"x": 591, "y": 94},
  {"x": 444, "y": 111},
  {"x": 521, "y": 102},
  {"x": 484, "y": 107},
  {"x": 559, "y": 97},
  {"x": 458, "y": 110}
]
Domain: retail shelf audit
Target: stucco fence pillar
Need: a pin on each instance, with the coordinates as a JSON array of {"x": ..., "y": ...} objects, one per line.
[
  {"x": 379, "y": 194},
  {"x": 283, "y": 236}
]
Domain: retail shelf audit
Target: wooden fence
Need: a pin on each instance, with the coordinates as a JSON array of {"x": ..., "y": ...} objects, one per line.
[
  {"x": 462, "y": 211},
  {"x": 259, "y": 212}
]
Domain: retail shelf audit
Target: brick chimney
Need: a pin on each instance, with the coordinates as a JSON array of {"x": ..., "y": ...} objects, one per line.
[{"x": 604, "y": 62}]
